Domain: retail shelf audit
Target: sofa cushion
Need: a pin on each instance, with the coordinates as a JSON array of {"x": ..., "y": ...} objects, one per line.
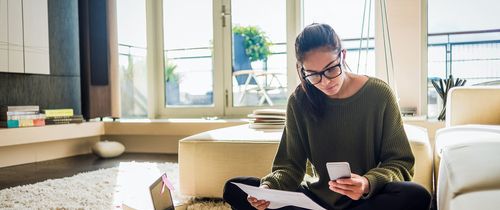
[
  {"x": 466, "y": 168},
  {"x": 462, "y": 134},
  {"x": 421, "y": 148},
  {"x": 484, "y": 200},
  {"x": 473, "y": 105}
]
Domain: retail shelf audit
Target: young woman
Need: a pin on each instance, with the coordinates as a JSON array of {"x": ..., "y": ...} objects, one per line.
[{"x": 338, "y": 116}]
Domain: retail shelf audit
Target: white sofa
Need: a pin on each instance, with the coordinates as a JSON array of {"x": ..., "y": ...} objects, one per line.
[{"x": 467, "y": 151}]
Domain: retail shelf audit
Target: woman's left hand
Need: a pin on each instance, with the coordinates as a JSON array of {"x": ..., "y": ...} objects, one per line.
[{"x": 353, "y": 187}]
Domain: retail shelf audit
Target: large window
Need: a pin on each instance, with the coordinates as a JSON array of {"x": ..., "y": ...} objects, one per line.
[
  {"x": 228, "y": 57},
  {"x": 225, "y": 58},
  {"x": 464, "y": 41},
  {"x": 132, "y": 58},
  {"x": 354, "y": 23},
  {"x": 258, "y": 52},
  {"x": 188, "y": 57}
]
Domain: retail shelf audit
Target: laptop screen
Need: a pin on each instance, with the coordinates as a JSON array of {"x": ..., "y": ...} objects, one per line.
[{"x": 161, "y": 201}]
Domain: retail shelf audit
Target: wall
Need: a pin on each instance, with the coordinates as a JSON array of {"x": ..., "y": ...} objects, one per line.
[
  {"x": 60, "y": 89},
  {"x": 29, "y": 153},
  {"x": 407, "y": 20}
]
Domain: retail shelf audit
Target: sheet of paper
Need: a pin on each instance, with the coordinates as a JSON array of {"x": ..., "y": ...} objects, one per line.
[{"x": 280, "y": 198}]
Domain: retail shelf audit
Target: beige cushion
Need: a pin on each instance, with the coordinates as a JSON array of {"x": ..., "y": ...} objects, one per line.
[
  {"x": 473, "y": 105},
  {"x": 465, "y": 168},
  {"x": 461, "y": 134},
  {"x": 207, "y": 160},
  {"x": 421, "y": 148},
  {"x": 483, "y": 200}
]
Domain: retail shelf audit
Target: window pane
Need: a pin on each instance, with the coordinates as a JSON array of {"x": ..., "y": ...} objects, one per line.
[
  {"x": 132, "y": 57},
  {"x": 259, "y": 52},
  {"x": 346, "y": 18},
  {"x": 188, "y": 35},
  {"x": 464, "y": 46}
]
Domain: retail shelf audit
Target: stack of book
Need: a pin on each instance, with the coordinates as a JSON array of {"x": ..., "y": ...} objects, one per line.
[
  {"x": 21, "y": 116},
  {"x": 61, "y": 116},
  {"x": 267, "y": 119}
]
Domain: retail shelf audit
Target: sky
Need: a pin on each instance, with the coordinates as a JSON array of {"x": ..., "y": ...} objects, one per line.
[
  {"x": 192, "y": 18},
  {"x": 188, "y": 23},
  {"x": 463, "y": 15}
]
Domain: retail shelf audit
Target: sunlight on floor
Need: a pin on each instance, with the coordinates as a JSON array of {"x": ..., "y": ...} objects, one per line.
[{"x": 132, "y": 185}]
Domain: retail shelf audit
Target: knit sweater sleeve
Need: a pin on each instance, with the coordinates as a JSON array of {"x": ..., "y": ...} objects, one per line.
[
  {"x": 290, "y": 161},
  {"x": 395, "y": 157}
]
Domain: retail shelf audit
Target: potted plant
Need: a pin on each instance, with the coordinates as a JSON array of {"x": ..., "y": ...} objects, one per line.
[
  {"x": 443, "y": 87},
  {"x": 171, "y": 84},
  {"x": 255, "y": 42}
]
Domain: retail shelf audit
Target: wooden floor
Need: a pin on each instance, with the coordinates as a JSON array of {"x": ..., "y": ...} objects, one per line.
[{"x": 35, "y": 172}]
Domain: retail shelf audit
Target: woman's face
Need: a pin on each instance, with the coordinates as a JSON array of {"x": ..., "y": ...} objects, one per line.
[{"x": 321, "y": 62}]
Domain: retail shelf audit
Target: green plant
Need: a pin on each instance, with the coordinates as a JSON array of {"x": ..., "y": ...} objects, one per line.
[
  {"x": 256, "y": 42},
  {"x": 169, "y": 72}
]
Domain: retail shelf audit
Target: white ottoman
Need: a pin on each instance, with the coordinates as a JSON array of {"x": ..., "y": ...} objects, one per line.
[{"x": 207, "y": 160}]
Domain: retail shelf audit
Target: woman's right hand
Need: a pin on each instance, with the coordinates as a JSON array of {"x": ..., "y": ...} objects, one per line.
[{"x": 259, "y": 204}]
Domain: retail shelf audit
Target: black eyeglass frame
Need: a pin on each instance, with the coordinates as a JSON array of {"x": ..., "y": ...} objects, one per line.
[{"x": 322, "y": 73}]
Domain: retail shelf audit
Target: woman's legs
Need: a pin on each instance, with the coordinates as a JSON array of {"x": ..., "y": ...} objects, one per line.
[
  {"x": 235, "y": 196},
  {"x": 396, "y": 196},
  {"x": 238, "y": 199}
]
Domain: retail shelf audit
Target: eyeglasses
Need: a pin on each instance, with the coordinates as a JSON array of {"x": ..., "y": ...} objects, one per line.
[{"x": 331, "y": 72}]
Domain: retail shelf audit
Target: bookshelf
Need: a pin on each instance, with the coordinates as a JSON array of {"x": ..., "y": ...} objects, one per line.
[{"x": 18, "y": 136}]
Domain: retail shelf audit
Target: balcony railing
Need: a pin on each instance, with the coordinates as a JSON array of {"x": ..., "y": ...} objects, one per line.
[{"x": 471, "y": 55}]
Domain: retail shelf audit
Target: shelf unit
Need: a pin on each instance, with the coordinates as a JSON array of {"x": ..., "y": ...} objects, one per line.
[{"x": 18, "y": 136}]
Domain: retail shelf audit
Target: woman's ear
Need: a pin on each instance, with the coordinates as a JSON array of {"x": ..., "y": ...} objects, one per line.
[{"x": 344, "y": 52}]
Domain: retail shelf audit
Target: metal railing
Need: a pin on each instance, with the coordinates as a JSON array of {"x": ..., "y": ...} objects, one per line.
[
  {"x": 450, "y": 61},
  {"x": 475, "y": 67}
]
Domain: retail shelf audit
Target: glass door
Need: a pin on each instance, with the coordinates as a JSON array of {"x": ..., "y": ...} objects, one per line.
[
  {"x": 191, "y": 85},
  {"x": 257, "y": 72},
  {"x": 132, "y": 49}
]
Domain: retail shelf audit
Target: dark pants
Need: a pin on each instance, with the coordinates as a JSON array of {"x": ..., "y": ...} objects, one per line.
[{"x": 394, "y": 196}]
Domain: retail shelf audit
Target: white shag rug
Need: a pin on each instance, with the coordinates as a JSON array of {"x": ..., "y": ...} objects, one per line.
[{"x": 112, "y": 188}]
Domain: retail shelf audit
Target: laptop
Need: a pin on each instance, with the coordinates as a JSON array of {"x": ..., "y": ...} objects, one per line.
[{"x": 161, "y": 201}]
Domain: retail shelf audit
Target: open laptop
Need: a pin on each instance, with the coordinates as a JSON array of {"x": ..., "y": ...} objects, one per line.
[{"x": 161, "y": 201}]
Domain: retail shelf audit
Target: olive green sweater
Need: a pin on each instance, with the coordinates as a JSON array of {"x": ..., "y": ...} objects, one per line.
[{"x": 365, "y": 130}]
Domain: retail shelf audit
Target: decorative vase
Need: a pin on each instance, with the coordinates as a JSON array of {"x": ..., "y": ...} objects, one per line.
[{"x": 443, "y": 88}]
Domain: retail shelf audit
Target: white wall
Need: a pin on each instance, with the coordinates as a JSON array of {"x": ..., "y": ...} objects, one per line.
[{"x": 407, "y": 21}]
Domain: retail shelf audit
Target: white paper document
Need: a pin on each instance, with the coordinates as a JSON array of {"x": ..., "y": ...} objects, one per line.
[{"x": 280, "y": 198}]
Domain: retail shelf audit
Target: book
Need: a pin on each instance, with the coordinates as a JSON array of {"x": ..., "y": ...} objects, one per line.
[
  {"x": 22, "y": 123},
  {"x": 280, "y": 112},
  {"x": 4, "y": 116},
  {"x": 271, "y": 117},
  {"x": 64, "y": 120},
  {"x": 31, "y": 108},
  {"x": 9, "y": 124},
  {"x": 58, "y": 112},
  {"x": 262, "y": 120},
  {"x": 38, "y": 122},
  {"x": 266, "y": 126}
]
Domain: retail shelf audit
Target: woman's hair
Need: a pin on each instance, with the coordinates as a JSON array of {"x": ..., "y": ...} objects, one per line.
[{"x": 314, "y": 36}]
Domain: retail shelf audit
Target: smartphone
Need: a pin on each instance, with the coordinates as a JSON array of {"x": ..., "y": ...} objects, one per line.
[{"x": 337, "y": 170}]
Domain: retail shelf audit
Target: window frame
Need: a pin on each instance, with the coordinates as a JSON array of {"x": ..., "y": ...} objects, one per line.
[{"x": 222, "y": 64}]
